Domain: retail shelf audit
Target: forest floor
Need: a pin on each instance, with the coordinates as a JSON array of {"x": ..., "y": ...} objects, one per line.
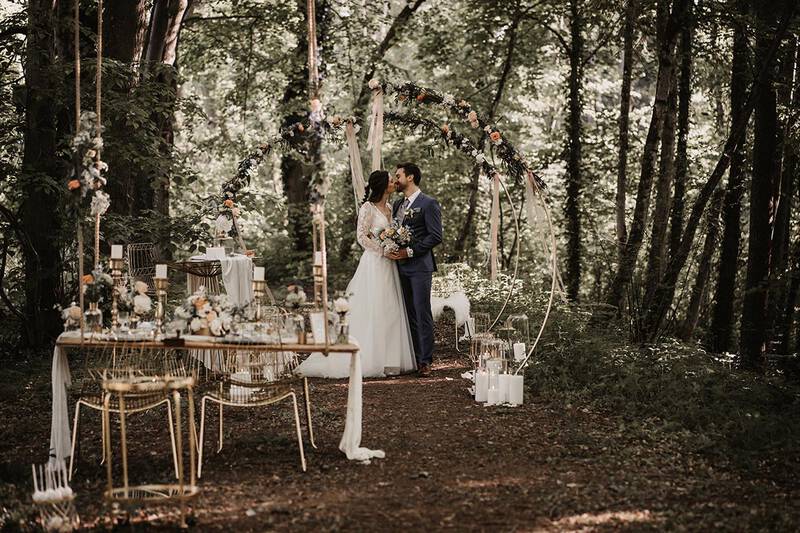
[{"x": 450, "y": 464}]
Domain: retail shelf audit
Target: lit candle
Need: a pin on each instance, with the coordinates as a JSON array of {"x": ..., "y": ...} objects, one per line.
[
  {"x": 519, "y": 351},
  {"x": 505, "y": 387},
  {"x": 515, "y": 394},
  {"x": 161, "y": 272},
  {"x": 116, "y": 251},
  {"x": 481, "y": 385},
  {"x": 258, "y": 274}
]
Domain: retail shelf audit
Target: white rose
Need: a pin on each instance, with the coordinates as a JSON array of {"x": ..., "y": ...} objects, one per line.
[
  {"x": 141, "y": 304},
  {"x": 374, "y": 83},
  {"x": 140, "y": 287},
  {"x": 195, "y": 324},
  {"x": 480, "y": 158},
  {"x": 341, "y": 305},
  {"x": 216, "y": 327},
  {"x": 223, "y": 224}
]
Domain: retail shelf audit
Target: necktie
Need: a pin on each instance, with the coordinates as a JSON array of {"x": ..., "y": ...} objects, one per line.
[{"x": 404, "y": 208}]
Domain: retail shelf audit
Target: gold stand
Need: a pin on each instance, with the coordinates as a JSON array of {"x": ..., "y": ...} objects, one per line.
[
  {"x": 116, "y": 275},
  {"x": 321, "y": 268},
  {"x": 162, "y": 284}
]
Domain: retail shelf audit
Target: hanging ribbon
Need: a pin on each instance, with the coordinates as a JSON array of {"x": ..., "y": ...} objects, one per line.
[
  {"x": 375, "y": 139},
  {"x": 356, "y": 171},
  {"x": 495, "y": 221},
  {"x": 313, "y": 70}
]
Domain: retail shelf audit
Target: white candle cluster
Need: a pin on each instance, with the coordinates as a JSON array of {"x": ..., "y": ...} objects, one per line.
[{"x": 50, "y": 484}]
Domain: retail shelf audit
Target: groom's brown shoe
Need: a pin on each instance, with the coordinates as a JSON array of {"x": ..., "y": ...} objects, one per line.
[{"x": 424, "y": 371}]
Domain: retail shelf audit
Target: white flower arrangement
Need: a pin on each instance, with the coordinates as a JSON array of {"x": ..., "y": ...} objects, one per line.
[
  {"x": 341, "y": 305},
  {"x": 100, "y": 203},
  {"x": 223, "y": 225},
  {"x": 295, "y": 296},
  {"x": 141, "y": 302},
  {"x": 203, "y": 311}
]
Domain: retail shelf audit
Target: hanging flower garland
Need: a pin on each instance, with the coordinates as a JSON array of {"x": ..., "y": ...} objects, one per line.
[
  {"x": 86, "y": 177},
  {"x": 514, "y": 163}
]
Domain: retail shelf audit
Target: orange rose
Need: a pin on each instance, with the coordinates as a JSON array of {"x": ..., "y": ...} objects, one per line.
[
  {"x": 445, "y": 128},
  {"x": 87, "y": 279},
  {"x": 300, "y": 128},
  {"x": 199, "y": 303},
  {"x": 421, "y": 97},
  {"x": 74, "y": 184},
  {"x": 402, "y": 97},
  {"x": 228, "y": 203},
  {"x": 495, "y": 136}
]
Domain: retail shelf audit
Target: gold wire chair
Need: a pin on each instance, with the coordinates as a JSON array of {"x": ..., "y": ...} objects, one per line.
[
  {"x": 253, "y": 378},
  {"x": 125, "y": 391},
  {"x": 106, "y": 360},
  {"x": 141, "y": 263}
]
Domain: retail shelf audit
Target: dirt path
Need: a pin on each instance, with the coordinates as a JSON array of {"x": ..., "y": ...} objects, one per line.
[{"x": 450, "y": 464}]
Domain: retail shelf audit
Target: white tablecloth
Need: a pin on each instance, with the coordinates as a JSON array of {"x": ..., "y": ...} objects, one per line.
[
  {"x": 237, "y": 277},
  {"x": 60, "y": 439}
]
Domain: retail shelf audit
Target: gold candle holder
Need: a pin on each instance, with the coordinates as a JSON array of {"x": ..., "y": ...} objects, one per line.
[
  {"x": 161, "y": 284},
  {"x": 259, "y": 290},
  {"x": 116, "y": 274}
]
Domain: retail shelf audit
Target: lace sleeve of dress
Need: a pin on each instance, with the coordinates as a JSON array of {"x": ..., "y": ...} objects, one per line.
[{"x": 364, "y": 229}]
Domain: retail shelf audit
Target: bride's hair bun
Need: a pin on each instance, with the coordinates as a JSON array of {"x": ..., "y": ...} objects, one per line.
[{"x": 377, "y": 185}]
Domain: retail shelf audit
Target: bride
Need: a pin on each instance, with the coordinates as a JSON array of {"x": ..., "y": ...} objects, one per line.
[{"x": 377, "y": 317}]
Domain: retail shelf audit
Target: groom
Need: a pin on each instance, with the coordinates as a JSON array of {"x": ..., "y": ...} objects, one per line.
[{"x": 416, "y": 264}]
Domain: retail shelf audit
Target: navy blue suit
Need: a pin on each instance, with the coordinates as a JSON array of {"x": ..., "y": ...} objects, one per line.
[{"x": 424, "y": 219}]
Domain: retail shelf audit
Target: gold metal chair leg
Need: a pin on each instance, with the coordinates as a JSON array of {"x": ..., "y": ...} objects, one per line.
[
  {"x": 178, "y": 441},
  {"x": 202, "y": 433},
  {"x": 309, "y": 424},
  {"x": 123, "y": 436},
  {"x": 75, "y": 439},
  {"x": 172, "y": 437},
  {"x": 299, "y": 432},
  {"x": 219, "y": 449},
  {"x": 107, "y": 422}
]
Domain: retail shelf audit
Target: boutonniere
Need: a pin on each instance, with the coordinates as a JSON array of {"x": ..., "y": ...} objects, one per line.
[{"x": 412, "y": 211}]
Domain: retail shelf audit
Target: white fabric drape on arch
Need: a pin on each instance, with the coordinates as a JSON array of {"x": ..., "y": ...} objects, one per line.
[{"x": 356, "y": 170}]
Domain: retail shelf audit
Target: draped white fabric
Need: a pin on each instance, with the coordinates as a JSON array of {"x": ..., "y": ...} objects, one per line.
[
  {"x": 495, "y": 224},
  {"x": 237, "y": 277},
  {"x": 375, "y": 139},
  {"x": 356, "y": 170},
  {"x": 537, "y": 219},
  {"x": 351, "y": 439},
  {"x": 60, "y": 442}
]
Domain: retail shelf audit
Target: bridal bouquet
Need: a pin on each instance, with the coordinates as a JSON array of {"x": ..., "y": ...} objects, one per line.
[
  {"x": 207, "y": 314},
  {"x": 393, "y": 237}
]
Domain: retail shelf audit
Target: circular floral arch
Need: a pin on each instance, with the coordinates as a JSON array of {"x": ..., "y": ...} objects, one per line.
[{"x": 512, "y": 162}]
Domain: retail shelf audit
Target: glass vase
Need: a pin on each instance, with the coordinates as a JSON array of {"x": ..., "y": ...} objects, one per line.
[
  {"x": 299, "y": 328},
  {"x": 343, "y": 330},
  {"x": 93, "y": 318}
]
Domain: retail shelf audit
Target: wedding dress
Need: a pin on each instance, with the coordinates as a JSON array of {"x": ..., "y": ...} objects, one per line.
[{"x": 377, "y": 316}]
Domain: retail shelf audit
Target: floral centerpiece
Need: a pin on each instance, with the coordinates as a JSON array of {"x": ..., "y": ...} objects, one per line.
[
  {"x": 86, "y": 177},
  {"x": 342, "y": 306},
  {"x": 295, "y": 299},
  {"x": 71, "y": 316},
  {"x": 206, "y": 314},
  {"x": 97, "y": 288}
]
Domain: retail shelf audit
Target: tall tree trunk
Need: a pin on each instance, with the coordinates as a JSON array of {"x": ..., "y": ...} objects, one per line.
[
  {"x": 662, "y": 300},
  {"x": 681, "y": 157},
  {"x": 657, "y": 256},
  {"x": 704, "y": 266},
  {"x": 754, "y": 324},
  {"x": 624, "y": 273},
  {"x": 468, "y": 228},
  {"x": 721, "y": 330},
  {"x": 43, "y": 178},
  {"x": 631, "y": 13},
  {"x": 782, "y": 197},
  {"x": 297, "y": 174},
  {"x": 124, "y": 29},
  {"x": 574, "y": 179},
  {"x": 790, "y": 167}
]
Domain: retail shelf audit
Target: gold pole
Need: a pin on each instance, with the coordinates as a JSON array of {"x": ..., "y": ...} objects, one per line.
[
  {"x": 97, "y": 104},
  {"x": 324, "y": 270}
]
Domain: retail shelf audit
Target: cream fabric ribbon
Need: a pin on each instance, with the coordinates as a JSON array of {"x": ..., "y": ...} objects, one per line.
[
  {"x": 375, "y": 139},
  {"x": 356, "y": 170}
]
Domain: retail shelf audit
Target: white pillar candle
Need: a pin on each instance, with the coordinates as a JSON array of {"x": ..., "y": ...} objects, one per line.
[
  {"x": 116, "y": 251},
  {"x": 258, "y": 274},
  {"x": 505, "y": 386},
  {"x": 515, "y": 392},
  {"x": 318, "y": 258},
  {"x": 519, "y": 351},
  {"x": 161, "y": 272},
  {"x": 493, "y": 397},
  {"x": 481, "y": 385}
]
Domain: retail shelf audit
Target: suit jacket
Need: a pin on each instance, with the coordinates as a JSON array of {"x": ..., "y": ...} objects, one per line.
[{"x": 424, "y": 219}]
